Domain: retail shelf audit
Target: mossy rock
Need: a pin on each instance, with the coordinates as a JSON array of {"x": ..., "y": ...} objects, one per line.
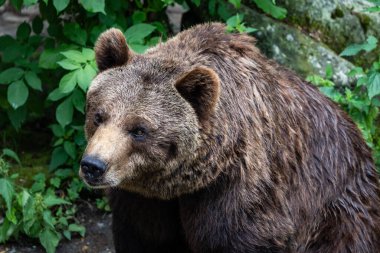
[
  {"x": 337, "y": 23},
  {"x": 294, "y": 49}
]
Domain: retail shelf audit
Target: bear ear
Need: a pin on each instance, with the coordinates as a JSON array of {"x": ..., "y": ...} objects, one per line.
[
  {"x": 111, "y": 49},
  {"x": 201, "y": 88}
]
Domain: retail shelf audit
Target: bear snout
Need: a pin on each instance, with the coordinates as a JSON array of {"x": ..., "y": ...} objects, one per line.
[{"x": 92, "y": 169}]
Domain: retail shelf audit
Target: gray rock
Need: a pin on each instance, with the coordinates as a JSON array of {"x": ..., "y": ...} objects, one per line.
[
  {"x": 338, "y": 23},
  {"x": 292, "y": 48}
]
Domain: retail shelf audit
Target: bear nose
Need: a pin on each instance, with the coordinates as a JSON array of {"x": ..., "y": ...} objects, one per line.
[{"x": 92, "y": 167}]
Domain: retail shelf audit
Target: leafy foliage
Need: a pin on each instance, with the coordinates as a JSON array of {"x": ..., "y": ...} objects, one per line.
[
  {"x": 354, "y": 49},
  {"x": 44, "y": 211},
  {"x": 235, "y": 23},
  {"x": 375, "y": 7},
  {"x": 270, "y": 8}
]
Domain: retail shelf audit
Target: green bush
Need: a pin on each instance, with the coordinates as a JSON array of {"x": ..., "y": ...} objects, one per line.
[{"x": 43, "y": 211}]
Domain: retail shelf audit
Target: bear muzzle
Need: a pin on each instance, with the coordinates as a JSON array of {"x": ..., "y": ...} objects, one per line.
[{"x": 92, "y": 169}]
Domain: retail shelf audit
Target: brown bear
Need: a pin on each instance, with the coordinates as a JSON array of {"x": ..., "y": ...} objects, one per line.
[{"x": 205, "y": 145}]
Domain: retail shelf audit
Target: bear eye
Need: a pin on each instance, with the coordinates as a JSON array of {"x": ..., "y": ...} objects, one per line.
[
  {"x": 98, "y": 119},
  {"x": 138, "y": 133}
]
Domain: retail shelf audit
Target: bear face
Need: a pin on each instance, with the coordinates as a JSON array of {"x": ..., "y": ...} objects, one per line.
[{"x": 143, "y": 120}]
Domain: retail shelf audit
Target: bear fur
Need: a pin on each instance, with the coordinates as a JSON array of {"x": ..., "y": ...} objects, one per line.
[{"x": 211, "y": 147}]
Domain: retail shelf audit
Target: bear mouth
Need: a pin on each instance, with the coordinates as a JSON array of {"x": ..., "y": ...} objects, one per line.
[{"x": 95, "y": 183}]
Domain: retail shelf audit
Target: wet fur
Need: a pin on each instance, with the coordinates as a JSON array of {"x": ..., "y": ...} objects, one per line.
[{"x": 275, "y": 166}]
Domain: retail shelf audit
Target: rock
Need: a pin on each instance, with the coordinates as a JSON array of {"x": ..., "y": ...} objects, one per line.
[
  {"x": 292, "y": 48},
  {"x": 338, "y": 23}
]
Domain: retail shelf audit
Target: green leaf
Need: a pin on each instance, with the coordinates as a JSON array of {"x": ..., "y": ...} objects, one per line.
[
  {"x": 33, "y": 80},
  {"x": 93, "y": 5},
  {"x": 77, "y": 228},
  {"x": 30, "y": 2},
  {"x": 58, "y": 131},
  {"x": 79, "y": 100},
  {"x": 10, "y": 75},
  {"x": 197, "y": 2},
  {"x": 13, "y": 53},
  {"x": 39, "y": 184},
  {"x": 67, "y": 234},
  {"x": 68, "y": 82},
  {"x": 48, "y": 219},
  {"x": 10, "y": 153},
  {"x": 331, "y": 92},
  {"x": 28, "y": 211},
  {"x": 6, "y": 230},
  {"x": 362, "y": 80},
  {"x": 17, "y": 4},
  {"x": 25, "y": 202},
  {"x": 17, "y": 94},
  {"x": 373, "y": 84},
  {"x": 55, "y": 181},
  {"x": 56, "y": 95},
  {"x": 85, "y": 77},
  {"x": 235, "y": 3},
  {"x": 49, "y": 239},
  {"x": 70, "y": 149},
  {"x": 58, "y": 158},
  {"x": 64, "y": 173},
  {"x": 369, "y": 45},
  {"x": 52, "y": 200},
  {"x": 75, "y": 33},
  {"x": 64, "y": 112},
  {"x": 6, "y": 41},
  {"x": 249, "y": 30},
  {"x": 7, "y": 192},
  {"x": 58, "y": 142},
  {"x": 49, "y": 59},
  {"x": 234, "y": 21},
  {"x": 351, "y": 50},
  {"x": 268, "y": 7},
  {"x": 88, "y": 54},
  {"x": 138, "y": 48},
  {"x": 373, "y": 9},
  {"x": 75, "y": 56},
  {"x": 17, "y": 117},
  {"x": 137, "y": 33},
  {"x": 37, "y": 25},
  {"x": 138, "y": 17},
  {"x": 10, "y": 214},
  {"x": 60, "y": 5},
  {"x": 69, "y": 64},
  {"x": 23, "y": 31},
  {"x": 329, "y": 71}
]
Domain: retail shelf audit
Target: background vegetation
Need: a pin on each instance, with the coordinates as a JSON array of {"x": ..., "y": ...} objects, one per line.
[{"x": 46, "y": 70}]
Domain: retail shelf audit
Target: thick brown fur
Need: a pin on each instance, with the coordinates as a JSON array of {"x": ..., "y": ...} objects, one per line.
[{"x": 253, "y": 159}]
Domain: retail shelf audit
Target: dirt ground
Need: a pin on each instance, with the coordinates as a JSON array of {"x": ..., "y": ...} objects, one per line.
[{"x": 98, "y": 237}]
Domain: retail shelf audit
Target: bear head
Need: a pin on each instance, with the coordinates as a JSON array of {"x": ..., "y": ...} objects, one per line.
[{"x": 144, "y": 120}]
